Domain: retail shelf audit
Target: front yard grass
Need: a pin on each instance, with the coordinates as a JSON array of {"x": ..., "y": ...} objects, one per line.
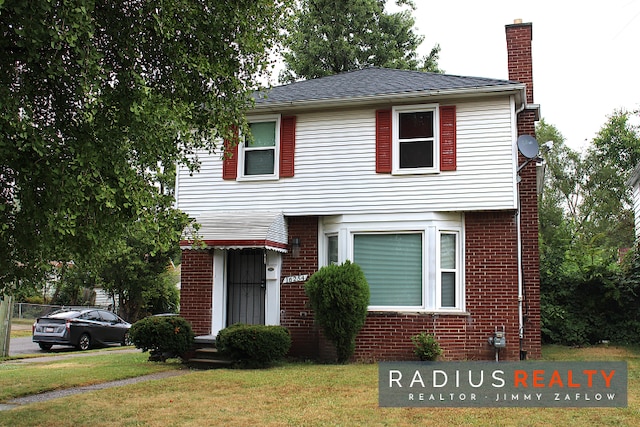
[
  {"x": 299, "y": 395},
  {"x": 21, "y": 327},
  {"x": 19, "y": 379}
]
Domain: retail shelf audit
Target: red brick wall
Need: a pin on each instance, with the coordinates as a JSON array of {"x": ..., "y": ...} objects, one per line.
[
  {"x": 196, "y": 289},
  {"x": 295, "y": 313},
  {"x": 491, "y": 256},
  {"x": 491, "y": 280},
  {"x": 491, "y": 284}
]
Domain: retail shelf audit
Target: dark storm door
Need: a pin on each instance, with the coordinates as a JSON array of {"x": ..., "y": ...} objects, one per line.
[{"x": 246, "y": 285}]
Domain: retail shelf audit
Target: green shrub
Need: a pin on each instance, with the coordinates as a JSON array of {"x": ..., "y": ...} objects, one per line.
[
  {"x": 339, "y": 296},
  {"x": 426, "y": 346},
  {"x": 165, "y": 337},
  {"x": 254, "y": 345}
]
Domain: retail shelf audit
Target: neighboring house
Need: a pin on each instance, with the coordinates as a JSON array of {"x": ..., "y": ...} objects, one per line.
[
  {"x": 634, "y": 183},
  {"x": 414, "y": 176}
]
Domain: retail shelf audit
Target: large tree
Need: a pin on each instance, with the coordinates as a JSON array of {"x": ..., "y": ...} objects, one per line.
[
  {"x": 591, "y": 189},
  {"x": 333, "y": 36},
  {"x": 585, "y": 218},
  {"x": 100, "y": 97},
  {"x": 610, "y": 161}
]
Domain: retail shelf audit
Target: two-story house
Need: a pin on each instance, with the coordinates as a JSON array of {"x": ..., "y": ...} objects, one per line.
[{"x": 414, "y": 176}]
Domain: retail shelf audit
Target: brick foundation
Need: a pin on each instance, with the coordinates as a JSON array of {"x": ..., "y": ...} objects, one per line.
[{"x": 295, "y": 313}]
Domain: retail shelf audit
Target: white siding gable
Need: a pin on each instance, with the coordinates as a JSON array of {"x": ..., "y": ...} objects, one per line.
[
  {"x": 335, "y": 171},
  {"x": 636, "y": 206}
]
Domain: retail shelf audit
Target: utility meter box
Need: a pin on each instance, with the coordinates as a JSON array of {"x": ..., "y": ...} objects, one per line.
[{"x": 499, "y": 340}]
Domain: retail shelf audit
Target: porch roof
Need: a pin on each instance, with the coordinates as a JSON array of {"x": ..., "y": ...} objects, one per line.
[{"x": 237, "y": 230}]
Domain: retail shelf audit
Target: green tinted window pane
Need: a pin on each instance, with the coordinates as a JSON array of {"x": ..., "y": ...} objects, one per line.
[
  {"x": 259, "y": 162},
  {"x": 448, "y": 291},
  {"x": 264, "y": 134},
  {"x": 392, "y": 264},
  {"x": 332, "y": 243},
  {"x": 448, "y": 251}
]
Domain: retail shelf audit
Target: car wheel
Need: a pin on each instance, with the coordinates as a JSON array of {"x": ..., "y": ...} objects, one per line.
[
  {"x": 84, "y": 343},
  {"x": 127, "y": 339},
  {"x": 45, "y": 346}
]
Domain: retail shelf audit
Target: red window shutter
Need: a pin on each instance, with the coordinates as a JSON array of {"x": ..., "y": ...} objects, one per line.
[
  {"x": 383, "y": 141},
  {"x": 448, "y": 138},
  {"x": 230, "y": 159},
  {"x": 287, "y": 146}
]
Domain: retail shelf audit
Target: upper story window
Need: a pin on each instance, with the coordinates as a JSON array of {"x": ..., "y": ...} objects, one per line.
[
  {"x": 415, "y": 139},
  {"x": 267, "y": 153},
  {"x": 259, "y": 151}
]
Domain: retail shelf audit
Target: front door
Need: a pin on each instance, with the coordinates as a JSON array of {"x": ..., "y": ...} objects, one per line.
[{"x": 246, "y": 285}]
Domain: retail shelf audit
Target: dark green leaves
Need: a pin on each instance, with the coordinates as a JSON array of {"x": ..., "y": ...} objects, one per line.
[
  {"x": 98, "y": 102},
  {"x": 329, "y": 37}
]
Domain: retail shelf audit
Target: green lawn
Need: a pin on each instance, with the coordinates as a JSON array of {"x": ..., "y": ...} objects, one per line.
[
  {"x": 289, "y": 395},
  {"x": 23, "y": 379},
  {"x": 21, "y": 327}
]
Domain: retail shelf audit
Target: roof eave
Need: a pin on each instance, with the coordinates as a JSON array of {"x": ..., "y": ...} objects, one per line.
[{"x": 516, "y": 89}]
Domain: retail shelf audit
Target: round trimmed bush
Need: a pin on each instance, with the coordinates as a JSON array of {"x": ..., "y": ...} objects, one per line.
[
  {"x": 254, "y": 345},
  {"x": 165, "y": 337}
]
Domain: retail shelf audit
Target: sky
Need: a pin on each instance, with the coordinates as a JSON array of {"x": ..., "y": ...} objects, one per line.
[{"x": 586, "y": 55}]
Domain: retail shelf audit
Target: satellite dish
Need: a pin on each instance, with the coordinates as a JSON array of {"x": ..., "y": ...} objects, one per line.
[{"x": 528, "y": 146}]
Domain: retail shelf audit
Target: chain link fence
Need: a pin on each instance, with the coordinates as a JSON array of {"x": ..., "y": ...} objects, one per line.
[{"x": 23, "y": 310}]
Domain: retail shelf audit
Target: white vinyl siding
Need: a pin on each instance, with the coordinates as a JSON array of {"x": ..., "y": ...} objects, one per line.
[{"x": 336, "y": 171}]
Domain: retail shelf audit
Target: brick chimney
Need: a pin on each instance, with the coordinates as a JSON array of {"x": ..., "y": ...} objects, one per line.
[
  {"x": 519, "y": 38},
  {"x": 520, "y": 62}
]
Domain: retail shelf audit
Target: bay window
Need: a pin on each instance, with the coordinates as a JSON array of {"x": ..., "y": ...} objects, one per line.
[{"x": 412, "y": 264}]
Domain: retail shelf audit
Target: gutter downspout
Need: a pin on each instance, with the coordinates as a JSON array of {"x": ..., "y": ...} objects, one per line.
[
  {"x": 519, "y": 243},
  {"x": 520, "y": 272}
]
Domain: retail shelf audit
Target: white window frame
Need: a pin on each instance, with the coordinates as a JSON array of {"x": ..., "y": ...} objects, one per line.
[
  {"x": 458, "y": 260},
  {"x": 276, "y": 156},
  {"x": 327, "y": 247},
  {"x": 395, "y": 126},
  {"x": 431, "y": 225}
]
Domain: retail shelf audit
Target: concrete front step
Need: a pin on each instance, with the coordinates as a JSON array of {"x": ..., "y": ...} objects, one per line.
[
  {"x": 209, "y": 363},
  {"x": 208, "y": 357}
]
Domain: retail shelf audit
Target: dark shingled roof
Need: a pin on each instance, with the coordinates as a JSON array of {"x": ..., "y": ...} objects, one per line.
[{"x": 370, "y": 82}]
